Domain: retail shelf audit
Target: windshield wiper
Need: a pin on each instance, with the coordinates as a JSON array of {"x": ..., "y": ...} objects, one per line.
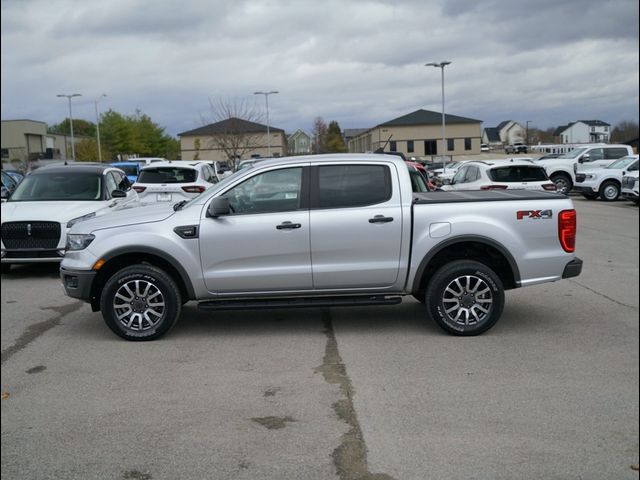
[{"x": 179, "y": 205}]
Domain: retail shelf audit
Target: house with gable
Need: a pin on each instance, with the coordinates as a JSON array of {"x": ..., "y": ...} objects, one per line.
[
  {"x": 299, "y": 143},
  {"x": 583, "y": 131},
  {"x": 505, "y": 133}
]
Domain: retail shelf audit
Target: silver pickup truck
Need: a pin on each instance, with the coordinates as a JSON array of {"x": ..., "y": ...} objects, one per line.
[{"x": 324, "y": 230}]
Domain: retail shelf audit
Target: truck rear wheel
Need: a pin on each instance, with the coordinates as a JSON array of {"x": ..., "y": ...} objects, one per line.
[
  {"x": 140, "y": 302},
  {"x": 465, "y": 298}
]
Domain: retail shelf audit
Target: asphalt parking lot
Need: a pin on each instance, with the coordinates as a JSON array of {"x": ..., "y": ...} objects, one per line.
[{"x": 354, "y": 393}]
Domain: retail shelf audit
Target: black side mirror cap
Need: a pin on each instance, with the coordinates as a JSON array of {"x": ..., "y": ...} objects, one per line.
[
  {"x": 218, "y": 206},
  {"x": 118, "y": 194}
]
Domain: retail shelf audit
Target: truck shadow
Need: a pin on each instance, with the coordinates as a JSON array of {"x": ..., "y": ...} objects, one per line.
[{"x": 31, "y": 270}]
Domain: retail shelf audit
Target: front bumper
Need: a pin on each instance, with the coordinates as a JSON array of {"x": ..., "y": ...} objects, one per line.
[
  {"x": 77, "y": 283},
  {"x": 573, "y": 268}
]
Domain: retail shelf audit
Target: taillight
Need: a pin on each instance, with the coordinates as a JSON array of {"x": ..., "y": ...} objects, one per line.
[
  {"x": 194, "y": 189},
  {"x": 550, "y": 186},
  {"x": 139, "y": 189},
  {"x": 494, "y": 187},
  {"x": 567, "y": 230}
]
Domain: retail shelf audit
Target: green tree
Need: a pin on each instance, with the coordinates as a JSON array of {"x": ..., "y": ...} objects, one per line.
[
  {"x": 87, "y": 150},
  {"x": 80, "y": 128},
  {"x": 335, "y": 141}
]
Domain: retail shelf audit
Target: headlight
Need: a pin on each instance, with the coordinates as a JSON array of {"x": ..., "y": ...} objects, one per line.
[
  {"x": 78, "y": 241},
  {"x": 72, "y": 222}
]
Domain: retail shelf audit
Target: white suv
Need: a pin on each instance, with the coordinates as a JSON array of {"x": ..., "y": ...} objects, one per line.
[
  {"x": 500, "y": 175},
  {"x": 173, "y": 181},
  {"x": 630, "y": 187},
  {"x": 562, "y": 170},
  {"x": 605, "y": 182}
]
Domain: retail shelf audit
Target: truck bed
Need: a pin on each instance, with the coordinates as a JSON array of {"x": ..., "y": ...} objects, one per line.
[{"x": 484, "y": 196}]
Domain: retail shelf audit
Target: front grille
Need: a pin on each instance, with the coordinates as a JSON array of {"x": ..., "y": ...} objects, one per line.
[
  {"x": 627, "y": 182},
  {"x": 580, "y": 177},
  {"x": 23, "y": 235}
]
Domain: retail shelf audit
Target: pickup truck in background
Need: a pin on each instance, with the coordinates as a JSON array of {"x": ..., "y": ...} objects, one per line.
[
  {"x": 516, "y": 147},
  {"x": 320, "y": 231}
]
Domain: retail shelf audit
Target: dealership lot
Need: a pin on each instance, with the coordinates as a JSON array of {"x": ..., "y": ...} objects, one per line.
[{"x": 550, "y": 392}]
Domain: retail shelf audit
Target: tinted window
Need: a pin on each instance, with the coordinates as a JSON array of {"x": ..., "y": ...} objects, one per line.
[
  {"x": 341, "y": 186},
  {"x": 615, "y": 152},
  {"x": 273, "y": 191},
  {"x": 450, "y": 144},
  {"x": 59, "y": 186},
  {"x": 467, "y": 144},
  {"x": 518, "y": 174},
  {"x": 167, "y": 175},
  {"x": 472, "y": 174},
  {"x": 460, "y": 175},
  {"x": 409, "y": 146},
  {"x": 110, "y": 183},
  {"x": 595, "y": 154}
]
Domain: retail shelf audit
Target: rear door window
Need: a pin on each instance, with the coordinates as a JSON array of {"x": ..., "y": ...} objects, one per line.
[
  {"x": 344, "y": 186},
  {"x": 615, "y": 152}
]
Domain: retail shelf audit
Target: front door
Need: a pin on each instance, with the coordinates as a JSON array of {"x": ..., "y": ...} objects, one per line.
[{"x": 263, "y": 245}]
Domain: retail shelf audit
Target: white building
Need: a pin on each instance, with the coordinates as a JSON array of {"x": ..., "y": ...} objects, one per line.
[{"x": 583, "y": 131}]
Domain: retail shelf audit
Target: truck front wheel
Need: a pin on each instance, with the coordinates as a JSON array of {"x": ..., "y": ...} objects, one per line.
[
  {"x": 563, "y": 183},
  {"x": 465, "y": 298},
  {"x": 140, "y": 302}
]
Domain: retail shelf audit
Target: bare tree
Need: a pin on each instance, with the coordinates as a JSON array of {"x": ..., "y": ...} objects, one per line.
[
  {"x": 236, "y": 131},
  {"x": 625, "y": 131},
  {"x": 320, "y": 131}
]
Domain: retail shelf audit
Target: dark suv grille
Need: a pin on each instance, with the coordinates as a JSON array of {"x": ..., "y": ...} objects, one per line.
[{"x": 22, "y": 235}]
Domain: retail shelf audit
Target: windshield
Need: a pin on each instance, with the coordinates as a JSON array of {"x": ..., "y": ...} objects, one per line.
[
  {"x": 167, "y": 175},
  {"x": 623, "y": 162},
  {"x": 575, "y": 153},
  {"x": 59, "y": 187}
]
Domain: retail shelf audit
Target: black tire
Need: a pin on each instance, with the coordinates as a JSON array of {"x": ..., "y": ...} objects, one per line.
[
  {"x": 147, "y": 300},
  {"x": 609, "y": 191},
  {"x": 6, "y": 267},
  {"x": 563, "y": 182},
  {"x": 477, "y": 307},
  {"x": 590, "y": 196}
]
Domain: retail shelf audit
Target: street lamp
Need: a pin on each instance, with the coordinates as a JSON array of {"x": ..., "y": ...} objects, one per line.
[
  {"x": 69, "y": 97},
  {"x": 95, "y": 102},
  {"x": 266, "y": 98},
  {"x": 441, "y": 66},
  {"x": 527, "y": 131}
]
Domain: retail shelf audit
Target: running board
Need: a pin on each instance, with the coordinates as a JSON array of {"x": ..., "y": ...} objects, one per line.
[{"x": 302, "y": 302}]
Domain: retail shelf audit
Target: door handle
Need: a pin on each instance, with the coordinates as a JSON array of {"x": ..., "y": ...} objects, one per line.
[
  {"x": 288, "y": 226},
  {"x": 380, "y": 219}
]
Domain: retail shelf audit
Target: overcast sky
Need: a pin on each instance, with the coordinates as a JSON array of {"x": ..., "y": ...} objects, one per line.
[{"x": 358, "y": 62}]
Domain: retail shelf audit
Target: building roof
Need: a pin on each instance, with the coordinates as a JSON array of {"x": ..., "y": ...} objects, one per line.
[
  {"x": 297, "y": 133},
  {"x": 493, "y": 134},
  {"x": 236, "y": 125},
  {"x": 558, "y": 131},
  {"x": 427, "y": 117},
  {"x": 594, "y": 123},
  {"x": 501, "y": 125},
  {"x": 353, "y": 132}
]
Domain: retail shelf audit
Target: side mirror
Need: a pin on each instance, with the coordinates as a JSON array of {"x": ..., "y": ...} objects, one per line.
[
  {"x": 218, "y": 206},
  {"x": 118, "y": 194},
  {"x": 447, "y": 181}
]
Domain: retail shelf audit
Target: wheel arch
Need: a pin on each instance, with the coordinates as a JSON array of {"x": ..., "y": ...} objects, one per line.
[
  {"x": 469, "y": 247},
  {"x": 123, "y": 257}
]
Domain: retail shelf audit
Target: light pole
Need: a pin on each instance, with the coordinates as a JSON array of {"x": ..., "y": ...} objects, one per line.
[
  {"x": 266, "y": 98},
  {"x": 441, "y": 66},
  {"x": 95, "y": 102},
  {"x": 69, "y": 97},
  {"x": 527, "y": 131}
]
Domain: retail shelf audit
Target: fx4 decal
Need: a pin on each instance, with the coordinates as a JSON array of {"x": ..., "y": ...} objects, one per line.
[{"x": 535, "y": 214}]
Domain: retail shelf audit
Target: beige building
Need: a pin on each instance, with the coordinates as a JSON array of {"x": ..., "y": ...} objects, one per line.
[
  {"x": 231, "y": 138},
  {"x": 24, "y": 140},
  {"x": 419, "y": 134}
]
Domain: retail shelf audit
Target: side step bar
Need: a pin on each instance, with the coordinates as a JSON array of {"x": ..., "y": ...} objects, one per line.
[{"x": 302, "y": 302}]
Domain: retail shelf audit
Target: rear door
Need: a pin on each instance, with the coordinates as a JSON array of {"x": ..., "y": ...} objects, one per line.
[{"x": 356, "y": 225}]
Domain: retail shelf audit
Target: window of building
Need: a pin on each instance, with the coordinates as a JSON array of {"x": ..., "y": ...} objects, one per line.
[
  {"x": 467, "y": 144},
  {"x": 344, "y": 186},
  {"x": 409, "y": 146},
  {"x": 430, "y": 147},
  {"x": 392, "y": 146},
  {"x": 450, "y": 144}
]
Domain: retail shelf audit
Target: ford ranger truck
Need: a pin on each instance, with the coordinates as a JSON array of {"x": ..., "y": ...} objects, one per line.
[{"x": 318, "y": 231}]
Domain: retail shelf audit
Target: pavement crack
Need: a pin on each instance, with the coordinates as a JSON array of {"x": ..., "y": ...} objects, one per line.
[
  {"x": 350, "y": 457},
  {"x": 603, "y": 295},
  {"x": 37, "y": 329}
]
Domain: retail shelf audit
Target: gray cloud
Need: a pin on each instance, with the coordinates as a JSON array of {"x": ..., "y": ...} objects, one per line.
[{"x": 359, "y": 62}]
